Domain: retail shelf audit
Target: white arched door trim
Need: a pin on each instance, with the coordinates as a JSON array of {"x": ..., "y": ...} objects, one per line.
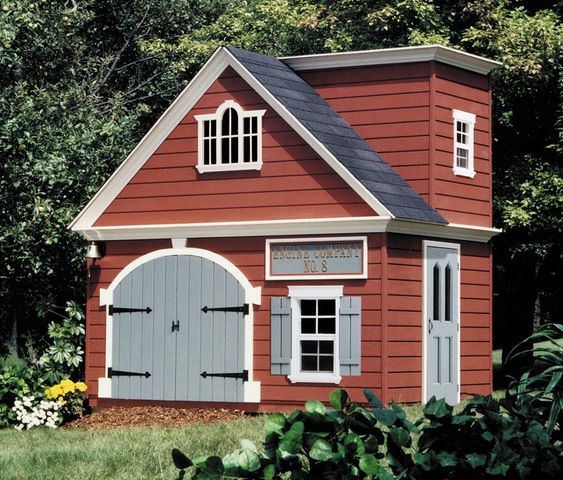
[{"x": 253, "y": 297}]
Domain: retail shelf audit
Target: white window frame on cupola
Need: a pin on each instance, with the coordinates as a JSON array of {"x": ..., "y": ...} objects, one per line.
[
  {"x": 464, "y": 140},
  {"x": 243, "y": 138}
]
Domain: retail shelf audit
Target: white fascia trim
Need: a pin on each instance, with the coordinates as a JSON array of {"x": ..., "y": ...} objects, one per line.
[
  {"x": 308, "y": 226},
  {"x": 450, "y": 231},
  {"x": 350, "y": 179},
  {"x": 163, "y": 127},
  {"x": 386, "y": 56}
]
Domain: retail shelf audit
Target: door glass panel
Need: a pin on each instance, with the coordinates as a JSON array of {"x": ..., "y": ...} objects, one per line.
[
  {"x": 436, "y": 293},
  {"x": 438, "y": 357},
  {"x": 448, "y": 293}
]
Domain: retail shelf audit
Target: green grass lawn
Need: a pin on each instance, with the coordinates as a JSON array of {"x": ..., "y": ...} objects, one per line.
[{"x": 135, "y": 454}]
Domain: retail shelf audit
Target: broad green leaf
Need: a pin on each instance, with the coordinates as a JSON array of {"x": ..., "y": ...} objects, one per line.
[
  {"x": 275, "y": 423},
  {"x": 322, "y": 450},
  {"x": 180, "y": 460},
  {"x": 291, "y": 442},
  {"x": 476, "y": 459},
  {"x": 355, "y": 439},
  {"x": 384, "y": 416},
  {"x": 372, "y": 398},
  {"x": 401, "y": 414},
  {"x": 314, "y": 406},
  {"x": 400, "y": 436},
  {"x": 249, "y": 461},
  {"x": 248, "y": 445},
  {"x": 369, "y": 464},
  {"x": 212, "y": 469},
  {"x": 269, "y": 471},
  {"x": 338, "y": 399}
]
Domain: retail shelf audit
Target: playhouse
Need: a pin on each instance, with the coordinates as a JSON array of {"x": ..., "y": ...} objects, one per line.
[{"x": 294, "y": 224}]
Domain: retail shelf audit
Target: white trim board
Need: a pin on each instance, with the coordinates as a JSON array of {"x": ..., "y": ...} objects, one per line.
[
  {"x": 387, "y": 56},
  {"x": 308, "y": 226}
]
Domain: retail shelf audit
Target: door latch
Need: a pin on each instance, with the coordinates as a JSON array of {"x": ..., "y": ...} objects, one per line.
[
  {"x": 430, "y": 325},
  {"x": 176, "y": 326}
]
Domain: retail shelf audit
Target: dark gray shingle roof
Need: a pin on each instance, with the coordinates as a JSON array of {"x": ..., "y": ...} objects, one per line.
[{"x": 338, "y": 137}]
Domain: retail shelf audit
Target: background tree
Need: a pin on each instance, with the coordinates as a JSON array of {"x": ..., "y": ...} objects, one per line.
[{"x": 83, "y": 81}]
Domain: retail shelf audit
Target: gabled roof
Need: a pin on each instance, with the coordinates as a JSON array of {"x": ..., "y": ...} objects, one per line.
[
  {"x": 339, "y": 138},
  {"x": 379, "y": 185}
]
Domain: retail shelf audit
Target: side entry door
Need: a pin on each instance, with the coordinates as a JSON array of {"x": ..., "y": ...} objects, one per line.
[
  {"x": 442, "y": 322},
  {"x": 166, "y": 345}
]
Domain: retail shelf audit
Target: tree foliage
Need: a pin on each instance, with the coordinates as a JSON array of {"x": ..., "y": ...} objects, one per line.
[{"x": 82, "y": 81}]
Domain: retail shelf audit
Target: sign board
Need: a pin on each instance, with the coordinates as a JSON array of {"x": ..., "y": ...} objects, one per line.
[{"x": 308, "y": 258}]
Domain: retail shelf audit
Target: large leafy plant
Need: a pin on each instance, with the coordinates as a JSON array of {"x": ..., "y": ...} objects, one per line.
[
  {"x": 488, "y": 438},
  {"x": 541, "y": 385}
]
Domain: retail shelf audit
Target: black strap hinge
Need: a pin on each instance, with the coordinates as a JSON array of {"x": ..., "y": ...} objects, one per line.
[
  {"x": 121, "y": 373},
  {"x": 113, "y": 310},
  {"x": 242, "y": 309},
  {"x": 242, "y": 375}
]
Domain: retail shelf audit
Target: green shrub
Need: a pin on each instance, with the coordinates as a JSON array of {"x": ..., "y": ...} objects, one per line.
[
  {"x": 18, "y": 379},
  {"x": 486, "y": 439},
  {"x": 540, "y": 388}
]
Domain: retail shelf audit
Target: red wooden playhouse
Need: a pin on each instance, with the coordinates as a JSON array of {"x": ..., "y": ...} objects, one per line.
[{"x": 294, "y": 224}]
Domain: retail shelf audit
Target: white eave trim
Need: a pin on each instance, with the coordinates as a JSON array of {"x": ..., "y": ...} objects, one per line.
[
  {"x": 424, "y": 53},
  {"x": 313, "y": 226}
]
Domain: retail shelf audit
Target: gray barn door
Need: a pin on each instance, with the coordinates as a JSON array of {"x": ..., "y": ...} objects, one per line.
[
  {"x": 174, "y": 340},
  {"x": 442, "y": 287}
]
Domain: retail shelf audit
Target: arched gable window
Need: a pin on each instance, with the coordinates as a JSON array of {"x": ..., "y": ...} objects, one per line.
[{"x": 230, "y": 139}]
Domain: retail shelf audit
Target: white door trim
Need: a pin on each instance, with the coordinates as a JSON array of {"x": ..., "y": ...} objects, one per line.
[
  {"x": 253, "y": 296},
  {"x": 454, "y": 246}
]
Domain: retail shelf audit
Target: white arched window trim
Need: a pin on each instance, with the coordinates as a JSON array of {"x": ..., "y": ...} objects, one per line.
[{"x": 216, "y": 154}]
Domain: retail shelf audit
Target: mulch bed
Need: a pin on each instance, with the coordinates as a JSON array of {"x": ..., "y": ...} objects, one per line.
[{"x": 113, "y": 418}]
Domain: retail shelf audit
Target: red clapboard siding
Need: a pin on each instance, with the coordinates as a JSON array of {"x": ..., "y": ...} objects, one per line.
[{"x": 166, "y": 190}]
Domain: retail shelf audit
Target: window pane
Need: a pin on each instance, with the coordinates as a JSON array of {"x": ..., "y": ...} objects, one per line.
[
  {"x": 309, "y": 307},
  {"x": 206, "y": 152},
  {"x": 254, "y": 157},
  {"x": 308, "y": 325},
  {"x": 213, "y": 128},
  {"x": 462, "y": 158},
  {"x": 327, "y": 307},
  {"x": 309, "y": 363},
  {"x": 213, "y": 151},
  {"x": 254, "y": 124},
  {"x": 225, "y": 153},
  {"x": 246, "y": 149},
  {"x": 234, "y": 121},
  {"x": 326, "y": 363},
  {"x": 246, "y": 126},
  {"x": 206, "y": 128},
  {"x": 326, "y": 347},
  {"x": 309, "y": 346},
  {"x": 234, "y": 150},
  {"x": 327, "y": 325}
]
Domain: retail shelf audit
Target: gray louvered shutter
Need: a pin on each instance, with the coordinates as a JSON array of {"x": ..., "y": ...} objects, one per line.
[
  {"x": 350, "y": 335},
  {"x": 280, "y": 335}
]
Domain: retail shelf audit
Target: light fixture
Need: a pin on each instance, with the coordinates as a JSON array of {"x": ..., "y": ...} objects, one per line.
[{"x": 93, "y": 251}]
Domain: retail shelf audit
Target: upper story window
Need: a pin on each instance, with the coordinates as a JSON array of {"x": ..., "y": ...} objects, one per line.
[
  {"x": 230, "y": 139},
  {"x": 464, "y": 140}
]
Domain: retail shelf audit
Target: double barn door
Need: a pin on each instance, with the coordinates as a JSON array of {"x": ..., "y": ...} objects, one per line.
[{"x": 166, "y": 345}]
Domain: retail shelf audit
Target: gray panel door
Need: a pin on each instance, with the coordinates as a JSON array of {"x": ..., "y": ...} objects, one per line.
[
  {"x": 177, "y": 341},
  {"x": 442, "y": 287}
]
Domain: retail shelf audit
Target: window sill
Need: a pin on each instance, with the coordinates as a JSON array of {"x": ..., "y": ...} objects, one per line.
[
  {"x": 234, "y": 167},
  {"x": 315, "y": 378},
  {"x": 464, "y": 172}
]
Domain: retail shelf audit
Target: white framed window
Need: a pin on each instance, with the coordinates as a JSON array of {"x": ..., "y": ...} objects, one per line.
[
  {"x": 315, "y": 340},
  {"x": 230, "y": 139},
  {"x": 464, "y": 124}
]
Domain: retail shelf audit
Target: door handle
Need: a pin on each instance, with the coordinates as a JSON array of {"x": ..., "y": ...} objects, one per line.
[
  {"x": 430, "y": 325},
  {"x": 176, "y": 326}
]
